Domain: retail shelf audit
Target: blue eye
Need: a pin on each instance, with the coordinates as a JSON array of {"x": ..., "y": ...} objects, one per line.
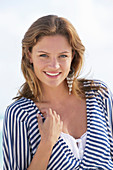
[
  {"x": 63, "y": 56},
  {"x": 43, "y": 55}
]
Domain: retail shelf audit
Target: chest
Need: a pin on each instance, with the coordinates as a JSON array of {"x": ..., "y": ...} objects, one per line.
[
  {"x": 74, "y": 117},
  {"x": 73, "y": 114}
]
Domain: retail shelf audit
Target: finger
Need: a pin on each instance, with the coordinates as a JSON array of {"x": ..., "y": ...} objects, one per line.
[
  {"x": 61, "y": 126},
  {"x": 49, "y": 112},
  {"x": 44, "y": 112},
  {"x": 39, "y": 119},
  {"x": 54, "y": 112},
  {"x": 58, "y": 116}
]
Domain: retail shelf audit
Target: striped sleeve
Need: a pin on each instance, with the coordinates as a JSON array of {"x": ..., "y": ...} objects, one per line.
[
  {"x": 15, "y": 139},
  {"x": 109, "y": 108},
  {"x": 108, "y": 102}
]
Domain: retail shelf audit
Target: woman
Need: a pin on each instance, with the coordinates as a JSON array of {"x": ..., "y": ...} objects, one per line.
[{"x": 58, "y": 122}]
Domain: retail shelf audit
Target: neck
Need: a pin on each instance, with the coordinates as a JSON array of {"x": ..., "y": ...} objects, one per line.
[{"x": 55, "y": 94}]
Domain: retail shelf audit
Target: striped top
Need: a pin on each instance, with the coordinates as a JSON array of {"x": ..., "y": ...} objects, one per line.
[{"x": 21, "y": 136}]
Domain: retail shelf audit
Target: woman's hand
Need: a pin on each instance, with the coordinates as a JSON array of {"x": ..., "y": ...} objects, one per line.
[{"x": 51, "y": 128}]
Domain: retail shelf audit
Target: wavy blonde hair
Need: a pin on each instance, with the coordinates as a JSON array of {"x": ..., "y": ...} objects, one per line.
[{"x": 45, "y": 26}]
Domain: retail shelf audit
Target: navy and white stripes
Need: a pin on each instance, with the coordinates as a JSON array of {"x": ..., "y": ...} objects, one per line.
[{"x": 21, "y": 136}]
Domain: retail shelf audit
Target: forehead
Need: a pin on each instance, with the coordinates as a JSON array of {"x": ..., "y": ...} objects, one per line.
[{"x": 54, "y": 42}]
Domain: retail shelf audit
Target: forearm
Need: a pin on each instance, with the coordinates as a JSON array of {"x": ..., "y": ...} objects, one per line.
[{"x": 41, "y": 157}]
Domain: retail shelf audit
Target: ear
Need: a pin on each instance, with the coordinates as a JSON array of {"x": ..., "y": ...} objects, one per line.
[{"x": 30, "y": 57}]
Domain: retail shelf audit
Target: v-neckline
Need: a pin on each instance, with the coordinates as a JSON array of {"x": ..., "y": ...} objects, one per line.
[{"x": 87, "y": 101}]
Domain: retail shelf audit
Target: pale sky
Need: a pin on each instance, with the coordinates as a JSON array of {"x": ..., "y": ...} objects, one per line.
[{"x": 93, "y": 20}]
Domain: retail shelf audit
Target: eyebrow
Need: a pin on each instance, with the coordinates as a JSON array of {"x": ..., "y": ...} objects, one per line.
[{"x": 49, "y": 53}]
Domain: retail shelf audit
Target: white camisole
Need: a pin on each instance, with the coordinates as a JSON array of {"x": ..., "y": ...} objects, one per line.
[{"x": 77, "y": 146}]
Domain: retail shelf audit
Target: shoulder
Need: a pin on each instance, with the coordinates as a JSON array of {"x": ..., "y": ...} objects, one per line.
[
  {"x": 98, "y": 88},
  {"x": 99, "y": 91},
  {"x": 93, "y": 82},
  {"x": 21, "y": 109}
]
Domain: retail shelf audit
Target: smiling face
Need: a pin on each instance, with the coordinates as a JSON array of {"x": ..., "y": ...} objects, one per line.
[{"x": 51, "y": 58}]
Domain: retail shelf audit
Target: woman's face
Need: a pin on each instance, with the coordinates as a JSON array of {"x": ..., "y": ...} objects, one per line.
[{"x": 51, "y": 58}]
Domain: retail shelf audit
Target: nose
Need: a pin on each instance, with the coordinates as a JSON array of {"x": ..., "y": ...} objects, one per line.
[{"x": 54, "y": 63}]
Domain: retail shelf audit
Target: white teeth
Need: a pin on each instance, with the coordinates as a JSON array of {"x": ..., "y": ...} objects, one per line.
[{"x": 52, "y": 74}]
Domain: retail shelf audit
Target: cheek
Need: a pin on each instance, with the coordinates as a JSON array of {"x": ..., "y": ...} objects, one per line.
[
  {"x": 37, "y": 67},
  {"x": 66, "y": 67},
  {"x": 38, "y": 64},
  {"x": 68, "y": 64}
]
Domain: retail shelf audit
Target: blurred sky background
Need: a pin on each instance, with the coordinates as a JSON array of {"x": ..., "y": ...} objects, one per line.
[{"x": 93, "y": 20}]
